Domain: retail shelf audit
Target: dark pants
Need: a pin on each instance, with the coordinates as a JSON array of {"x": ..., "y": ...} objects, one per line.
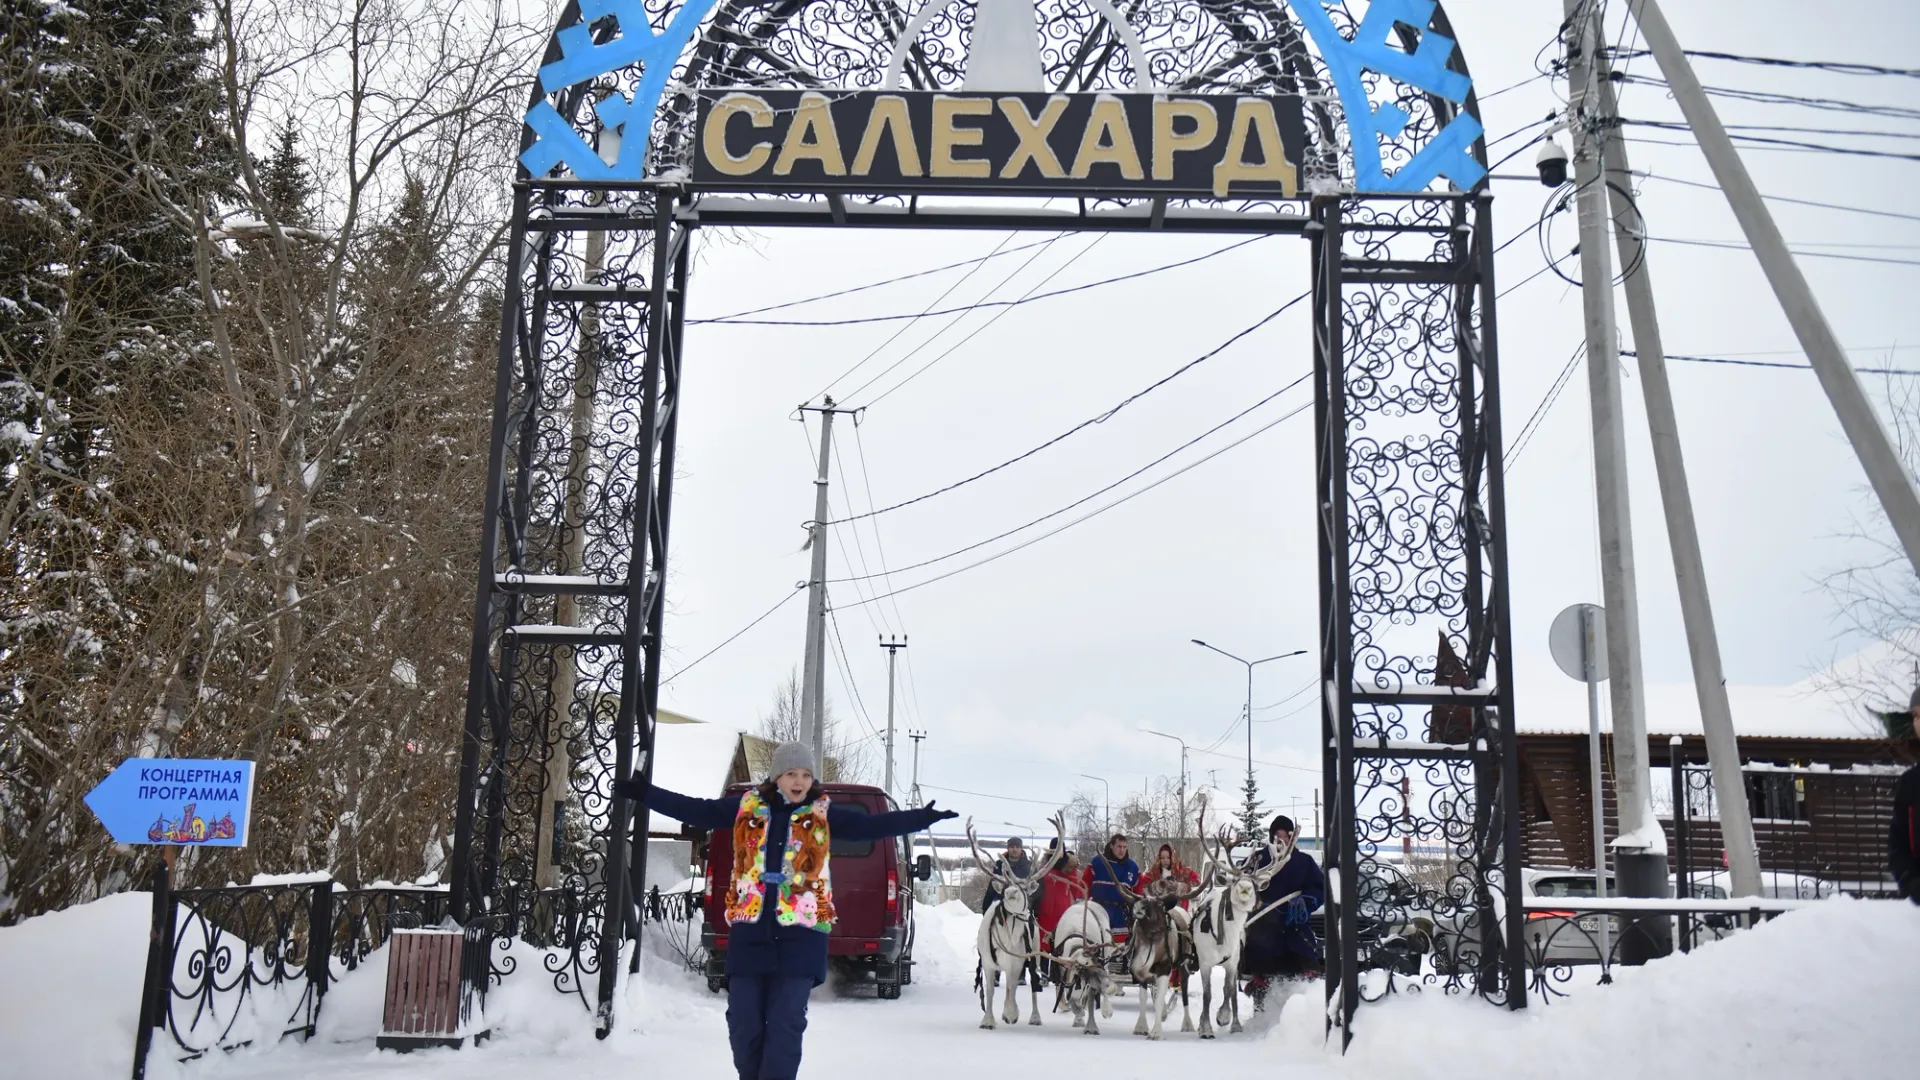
[{"x": 766, "y": 1017}]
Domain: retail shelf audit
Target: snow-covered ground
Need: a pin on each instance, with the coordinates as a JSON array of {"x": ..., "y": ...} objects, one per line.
[{"x": 1829, "y": 991}]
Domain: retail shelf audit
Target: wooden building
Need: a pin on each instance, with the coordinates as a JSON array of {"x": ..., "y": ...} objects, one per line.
[{"x": 1819, "y": 781}]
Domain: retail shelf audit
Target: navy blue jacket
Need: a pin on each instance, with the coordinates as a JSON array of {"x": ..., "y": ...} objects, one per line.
[
  {"x": 764, "y": 947},
  {"x": 1271, "y": 937},
  {"x": 1101, "y": 876}
]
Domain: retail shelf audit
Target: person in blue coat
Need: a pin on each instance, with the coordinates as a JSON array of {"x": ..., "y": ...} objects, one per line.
[
  {"x": 1109, "y": 870},
  {"x": 1282, "y": 943},
  {"x": 779, "y": 897}
]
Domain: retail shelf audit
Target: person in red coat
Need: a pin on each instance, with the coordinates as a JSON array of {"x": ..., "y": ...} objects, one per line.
[
  {"x": 1170, "y": 873},
  {"x": 1060, "y": 889}
]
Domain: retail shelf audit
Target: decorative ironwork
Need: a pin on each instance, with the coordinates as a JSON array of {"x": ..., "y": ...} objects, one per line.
[
  {"x": 1423, "y": 760},
  {"x": 566, "y": 643}
]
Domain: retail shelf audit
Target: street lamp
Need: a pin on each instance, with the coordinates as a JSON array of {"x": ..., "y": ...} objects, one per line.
[
  {"x": 1250, "y": 665},
  {"x": 1183, "y": 776},
  {"x": 1106, "y": 818}
]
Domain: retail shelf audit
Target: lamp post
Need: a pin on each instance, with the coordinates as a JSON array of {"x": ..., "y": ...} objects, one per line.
[
  {"x": 1106, "y": 817},
  {"x": 1250, "y": 665},
  {"x": 1183, "y": 776}
]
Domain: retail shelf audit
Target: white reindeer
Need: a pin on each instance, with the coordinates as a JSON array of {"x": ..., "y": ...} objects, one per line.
[
  {"x": 1082, "y": 941},
  {"x": 1009, "y": 938},
  {"x": 1220, "y": 923}
]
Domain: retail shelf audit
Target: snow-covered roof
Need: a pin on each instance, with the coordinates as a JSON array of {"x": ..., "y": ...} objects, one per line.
[
  {"x": 692, "y": 759},
  {"x": 1836, "y": 703}
]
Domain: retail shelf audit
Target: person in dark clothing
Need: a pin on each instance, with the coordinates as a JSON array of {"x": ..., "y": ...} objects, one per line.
[
  {"x": 779, "y": 897},
  {"x": 1281, "y": 942},
  {"x": 1109, "y": 870},
  {"x": 1903, "y": 833},
  {"x": 1014, "y": 863}
]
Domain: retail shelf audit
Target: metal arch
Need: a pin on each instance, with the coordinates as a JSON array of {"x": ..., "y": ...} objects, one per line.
[{"x": 1407, "y": 460}]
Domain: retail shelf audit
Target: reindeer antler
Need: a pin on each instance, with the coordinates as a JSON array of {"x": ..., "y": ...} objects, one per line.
[
  {"x": 1058, "y": 851},
  {"x": 979, "y": 857}
]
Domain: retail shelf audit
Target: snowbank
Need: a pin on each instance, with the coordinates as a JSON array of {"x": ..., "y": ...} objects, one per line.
[{"x": 1827, "y": 990}]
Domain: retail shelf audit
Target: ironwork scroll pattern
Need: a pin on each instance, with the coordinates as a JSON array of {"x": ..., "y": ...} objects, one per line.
[
  {"x": 1414, "y": 459},
  {"x": 1203, "y": 45},
  {"x": 233, "y": 951},
  {"x": 572, "y": 484}
]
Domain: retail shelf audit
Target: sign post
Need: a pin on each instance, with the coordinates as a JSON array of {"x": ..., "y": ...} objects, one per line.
[
  {"x": 176, "y": 803},
  {"x": 1578, "y": 642}
]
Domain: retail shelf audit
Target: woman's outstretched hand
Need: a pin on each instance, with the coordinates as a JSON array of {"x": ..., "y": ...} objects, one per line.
[{"x": 941, "y": 815}]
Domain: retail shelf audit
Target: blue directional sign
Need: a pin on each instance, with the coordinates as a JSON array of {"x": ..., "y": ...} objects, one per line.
[{"x": 184, "y": 801}]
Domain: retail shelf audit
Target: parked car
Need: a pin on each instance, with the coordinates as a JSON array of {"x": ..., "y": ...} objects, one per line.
[
  {"x": 1778, "y": 884},
  {"x": 872, "y": 898}
]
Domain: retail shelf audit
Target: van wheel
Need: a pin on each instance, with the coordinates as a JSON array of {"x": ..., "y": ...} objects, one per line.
[
  {"x": 716, "y": 983},
  {"x": 889, "y": 991}
]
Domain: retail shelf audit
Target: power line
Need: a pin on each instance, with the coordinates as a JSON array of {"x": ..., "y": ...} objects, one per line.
[
  {"x": 985, "y": 795},
  {"x": 1768, "y": 97},
  {"x": 1540, "y": 411},
  {"x": 1094, "y": 495},
  {"x": 1793, "y": 144},
  {"x": 1084, "y": 424},
  {"x": 731, "y": 638},
  {"x": 740, "y": 320},
  {"x": 1773, "y": 364},
  {"x": 1835, "y": 66},
  {"x": 1736, "y": 245},
  {"x": 934, "y": 303},
  {"x": 997, "y": 316},
  {"x": 955, "y": 321},
  {"x": 1103, "y": 509},
  {"x": 1257, "y": 761},
  {"x": 1785, "y": 199},
  {"x": 994, "y": 254}
]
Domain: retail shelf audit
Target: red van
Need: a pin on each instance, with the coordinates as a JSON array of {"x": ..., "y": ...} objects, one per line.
[{"x": 872, "y": 897}]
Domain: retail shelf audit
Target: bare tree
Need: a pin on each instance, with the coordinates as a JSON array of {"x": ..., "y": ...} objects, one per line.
[
  {"x": 849, "y": 759},
  {"x": 1879, "y": 596}
]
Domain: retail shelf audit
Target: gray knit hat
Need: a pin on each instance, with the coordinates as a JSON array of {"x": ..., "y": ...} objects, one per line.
[{"x": 791, "y": 755}]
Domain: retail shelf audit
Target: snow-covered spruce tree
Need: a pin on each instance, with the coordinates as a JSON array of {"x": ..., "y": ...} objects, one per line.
[{"x": 109, "y": 135}]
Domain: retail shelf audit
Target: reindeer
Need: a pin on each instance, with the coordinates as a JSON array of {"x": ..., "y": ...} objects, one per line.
[
  {"x": 1082, "y": 941},
  {"x": 1009, "y": 939},
  {"x": 1157, "y": 946},
  {"x": 1220, "y": 926}
]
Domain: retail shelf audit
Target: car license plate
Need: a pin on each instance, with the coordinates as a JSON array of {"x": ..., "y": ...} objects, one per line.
[{"x": 1590, "y": 923}]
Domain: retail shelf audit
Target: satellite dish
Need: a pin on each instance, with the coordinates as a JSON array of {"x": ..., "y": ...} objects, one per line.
[{"x": 1578, "y": 642}]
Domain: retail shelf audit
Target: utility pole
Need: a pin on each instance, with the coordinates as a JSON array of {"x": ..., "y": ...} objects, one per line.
[
  {"x": 914, "y": 796},
  {"x": 814, "y": 669},
  {"x": 1863, "y": 428},
  {"x": 1641, "y": 856},
  {"x": 1676, "y": 500},
  {"x": 893, "y": 648}
]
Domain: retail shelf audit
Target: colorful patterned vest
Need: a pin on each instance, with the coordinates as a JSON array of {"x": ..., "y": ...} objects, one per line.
[{"x": 805, "y": 886}]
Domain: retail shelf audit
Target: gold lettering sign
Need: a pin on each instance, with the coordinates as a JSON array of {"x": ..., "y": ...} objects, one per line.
[
  {"x": 1107, "y": 144},
  {"x": 713, "y": 136}
]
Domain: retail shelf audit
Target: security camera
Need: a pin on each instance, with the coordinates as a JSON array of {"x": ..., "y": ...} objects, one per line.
[{"x": 1552, "y": 164}]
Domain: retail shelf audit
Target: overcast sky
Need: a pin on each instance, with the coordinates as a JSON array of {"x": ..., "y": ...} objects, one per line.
[{"x": 1045, "y": 664}]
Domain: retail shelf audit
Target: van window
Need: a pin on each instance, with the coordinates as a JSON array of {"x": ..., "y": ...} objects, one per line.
[
  {"x": 851, "y": 849},
  {"x": 1570, "y": 888}
]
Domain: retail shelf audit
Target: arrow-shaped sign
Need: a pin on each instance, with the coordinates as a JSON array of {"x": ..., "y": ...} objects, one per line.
[{"x": 184, "y": 801}]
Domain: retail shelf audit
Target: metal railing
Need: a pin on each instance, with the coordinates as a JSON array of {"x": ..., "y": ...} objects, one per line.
[{"x": 219, "y": 959}]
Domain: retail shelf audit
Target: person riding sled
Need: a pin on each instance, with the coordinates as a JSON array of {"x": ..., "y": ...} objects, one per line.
[
  {"x": 1280, "y": 943},
  {"x": 1105, "y": 874},
  {"x": 779, "y": 897},
  {"x": 1171, "y": 875}
]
